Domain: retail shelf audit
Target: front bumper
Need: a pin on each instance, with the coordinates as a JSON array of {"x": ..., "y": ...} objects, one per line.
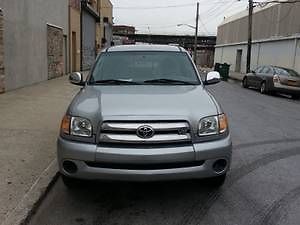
[{"x": 82, "y": 154}]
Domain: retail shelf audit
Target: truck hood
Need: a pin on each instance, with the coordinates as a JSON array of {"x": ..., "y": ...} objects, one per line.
[{"x": 146, "y": 102}]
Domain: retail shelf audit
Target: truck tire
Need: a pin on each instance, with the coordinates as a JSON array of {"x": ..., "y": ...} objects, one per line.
[
  {"x": 217, "y": 182},
  {"x": 70, "y": 183}
]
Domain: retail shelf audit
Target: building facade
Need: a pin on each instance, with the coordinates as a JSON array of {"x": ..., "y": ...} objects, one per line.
[
  {"x": 74, "y": 35},
  {"x": 276, "y": 38},
  {"x": 123, "y": 30},
  {"x": 104, "y": 31},
  {"x": 89, "y": 21},
  {"x": 35, "y": 41}
]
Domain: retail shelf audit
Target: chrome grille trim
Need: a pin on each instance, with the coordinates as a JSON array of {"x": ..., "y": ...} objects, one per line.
[
  {"x": 157, "y": 126},
  {"x": 125, "y": 132},
  {"x": 134, "y": 139}
]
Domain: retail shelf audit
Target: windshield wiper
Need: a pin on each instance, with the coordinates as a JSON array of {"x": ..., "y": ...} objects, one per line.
[
  {"x": 168, "y": 81},
  {"x": 113, "y": 81}
]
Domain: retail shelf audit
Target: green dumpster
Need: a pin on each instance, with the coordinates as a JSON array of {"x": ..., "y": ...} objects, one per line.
[{"x": 224, "y": 71}]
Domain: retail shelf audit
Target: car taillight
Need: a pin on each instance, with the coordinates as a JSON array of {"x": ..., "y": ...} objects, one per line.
[{"x": 276, "y": 79}]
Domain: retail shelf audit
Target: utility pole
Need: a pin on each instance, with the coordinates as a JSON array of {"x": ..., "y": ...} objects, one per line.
[
  {"x": 250, "y": 16},
  {"x": 196, "y": 34}
]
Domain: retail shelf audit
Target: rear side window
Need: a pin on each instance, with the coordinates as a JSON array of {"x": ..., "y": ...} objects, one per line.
[{"x": 142, "y": 66}]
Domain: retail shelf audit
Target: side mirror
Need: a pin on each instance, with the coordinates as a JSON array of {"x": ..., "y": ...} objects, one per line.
[
  {"x": 76, "y": 78},
  {"x": 212, "y": 78}
]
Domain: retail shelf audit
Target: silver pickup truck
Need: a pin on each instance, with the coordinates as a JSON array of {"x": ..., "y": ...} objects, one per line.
[{"x": 144, "y": 114}]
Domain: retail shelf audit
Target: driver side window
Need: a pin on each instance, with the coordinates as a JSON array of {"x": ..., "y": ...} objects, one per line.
[{"x": 265, "y": 70}]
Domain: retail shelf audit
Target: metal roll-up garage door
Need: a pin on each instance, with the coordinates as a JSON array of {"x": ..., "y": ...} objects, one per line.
[{"x": 88, "y": 39}]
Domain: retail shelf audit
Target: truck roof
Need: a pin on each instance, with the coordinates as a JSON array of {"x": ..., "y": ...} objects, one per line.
[{"x": 164, "y": 48}]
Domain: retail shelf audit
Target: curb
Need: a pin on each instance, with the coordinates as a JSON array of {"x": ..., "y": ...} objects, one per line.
[
  {"x": 234, "y": 80},
  {"x": 28, "y": 205}
]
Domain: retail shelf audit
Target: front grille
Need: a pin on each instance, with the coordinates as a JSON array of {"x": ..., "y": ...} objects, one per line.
[
  {"x": 156, "y": 166},
  {"x": 127, "y": 132}
]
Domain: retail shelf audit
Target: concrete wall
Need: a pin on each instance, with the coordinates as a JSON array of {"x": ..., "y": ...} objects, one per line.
[
  {"x": 2, "y": 78},
  {"x": 25, "y": 38},
  {"x": 279, "y": 20},
  {"x": 285, "y": 53}
]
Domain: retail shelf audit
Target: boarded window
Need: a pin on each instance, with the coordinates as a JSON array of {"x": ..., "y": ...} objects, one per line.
[{"x": 55, "y": 51}]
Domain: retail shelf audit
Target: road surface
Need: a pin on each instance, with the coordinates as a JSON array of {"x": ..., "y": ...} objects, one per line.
[{"x": 263, "y": 186}]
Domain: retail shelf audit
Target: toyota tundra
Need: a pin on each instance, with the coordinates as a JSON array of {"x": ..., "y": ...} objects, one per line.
[{"x": 144, "y": 114}]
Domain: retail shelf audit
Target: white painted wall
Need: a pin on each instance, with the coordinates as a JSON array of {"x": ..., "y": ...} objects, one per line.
[
  {"x": 277, "y": 53},
  {"x": 297, "y": 58}
]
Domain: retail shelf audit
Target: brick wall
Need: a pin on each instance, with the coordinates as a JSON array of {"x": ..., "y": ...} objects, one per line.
[
  {"x": 55, "y": 52},
  {"x": 2, "y": 84}
]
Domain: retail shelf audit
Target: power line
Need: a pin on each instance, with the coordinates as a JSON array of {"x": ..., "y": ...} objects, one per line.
[
  {"x": 155, "y": 7},
  {"x": 276, "y": 1},
  {"x": 169, "y": 6}
]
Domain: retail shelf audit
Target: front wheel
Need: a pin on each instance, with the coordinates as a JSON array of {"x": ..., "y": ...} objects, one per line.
[{"x": 296, "y": 97}]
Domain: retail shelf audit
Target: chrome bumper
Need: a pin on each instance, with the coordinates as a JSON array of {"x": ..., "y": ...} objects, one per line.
[{"x": 81, "y": 153}]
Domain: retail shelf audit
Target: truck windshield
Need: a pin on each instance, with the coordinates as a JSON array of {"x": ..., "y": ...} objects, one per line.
[{"x": 144, "y": 68}]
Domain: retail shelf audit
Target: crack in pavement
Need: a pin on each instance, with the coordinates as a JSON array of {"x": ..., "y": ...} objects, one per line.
[
  {"x": 198, "y": 211},
  {"x": 272, "y": 214},
  {"x": 267, "y": 142}
]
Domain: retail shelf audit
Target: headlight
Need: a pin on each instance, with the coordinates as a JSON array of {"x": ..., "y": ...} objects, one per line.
[
  {"x": 81, "y": 127},
  {"x": 76, "y": 126},
  {"x": 213, "y": 125}
]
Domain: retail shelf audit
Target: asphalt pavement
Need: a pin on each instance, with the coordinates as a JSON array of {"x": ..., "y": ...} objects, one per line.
[{"x": 263, "y": 186}]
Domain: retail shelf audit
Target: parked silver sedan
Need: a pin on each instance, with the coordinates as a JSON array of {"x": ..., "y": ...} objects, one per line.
[{"x": 274, "y": 79}]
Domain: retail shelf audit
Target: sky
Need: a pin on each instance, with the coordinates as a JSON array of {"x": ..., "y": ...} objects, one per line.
[{"x": 163, "y": 16}]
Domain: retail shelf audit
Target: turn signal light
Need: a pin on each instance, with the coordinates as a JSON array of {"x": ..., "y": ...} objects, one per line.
[
  {"x": 65, "y": 124},
  {"x": 223, "y": 123}
]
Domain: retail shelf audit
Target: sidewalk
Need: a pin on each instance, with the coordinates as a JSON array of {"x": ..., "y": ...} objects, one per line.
[
  {"x": 29, "y": 124},
  {"x": 236, "y": 76}
]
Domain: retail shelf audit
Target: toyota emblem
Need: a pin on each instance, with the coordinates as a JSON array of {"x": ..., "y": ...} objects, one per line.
[{"x": 145, "y": 132}]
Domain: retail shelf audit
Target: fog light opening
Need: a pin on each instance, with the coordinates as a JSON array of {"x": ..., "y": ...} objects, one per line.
[
  {"x": 220, "y": 165},
  {"x": 70, "y": 167}
]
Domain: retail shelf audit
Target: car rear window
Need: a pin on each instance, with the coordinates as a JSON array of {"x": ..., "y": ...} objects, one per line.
[
  {"x": 142, "y": 66},
  {"x": 286, "y": 72}
]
